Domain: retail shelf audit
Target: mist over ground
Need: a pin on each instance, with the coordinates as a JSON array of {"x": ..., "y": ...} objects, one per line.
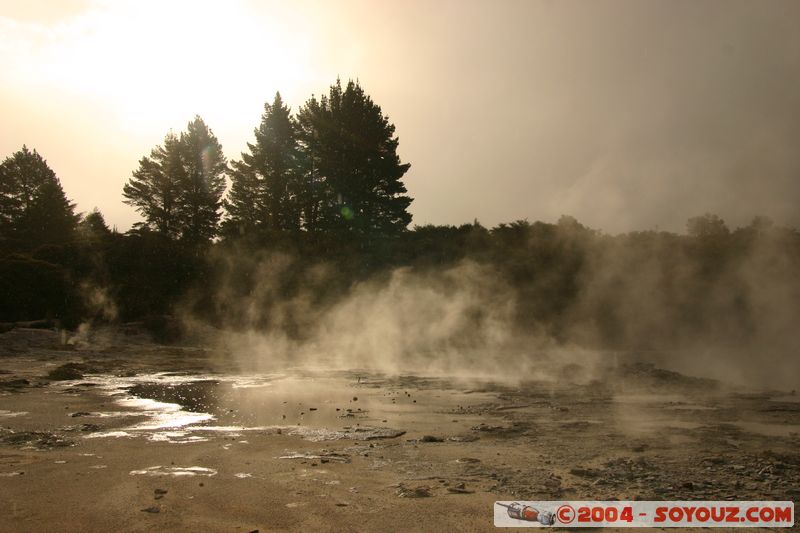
[{"x": 520, "y": 301}]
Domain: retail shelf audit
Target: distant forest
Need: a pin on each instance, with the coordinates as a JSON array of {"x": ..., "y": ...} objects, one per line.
[{"x": 323, "y": 186}]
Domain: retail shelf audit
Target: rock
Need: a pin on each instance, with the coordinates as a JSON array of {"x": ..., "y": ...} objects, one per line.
[
  {"x": 37, "y": 439},
  {"x": 431, "y": 438},
  {"x": 585, "y": 472},
  {"x": 153, "y": 509},
  {"x": 80, "y": 413},
  {"x": 461, "y": 488},
  {"x": 463, "y": 438},
  {"x": 13, "y": 384},
  {"x": 69, "y": 371},
  {"x": 416, "y": 492}
]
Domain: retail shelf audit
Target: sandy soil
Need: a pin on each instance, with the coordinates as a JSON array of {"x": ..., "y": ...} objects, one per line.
[{"x": 138, "y": 437}]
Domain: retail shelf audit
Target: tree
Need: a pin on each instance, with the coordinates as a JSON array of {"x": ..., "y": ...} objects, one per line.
[
  {"x": 33, "y": 206},
  {"x": 96, "y": 222},
  {"x": 312, "y": 193},
  {"x": 707, "y": 226},
  {"x": 350, "y": 151},
  {"x": 93, "y": 226},
  {"x": 155, "y": 186},
  {"x": 202, "y": 182},
  {"x": 178, "y": 188},
  {"x": 266, "y": 182}
]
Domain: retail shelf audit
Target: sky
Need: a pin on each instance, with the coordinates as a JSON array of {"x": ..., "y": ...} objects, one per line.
[{"x": 628, "y": 115}]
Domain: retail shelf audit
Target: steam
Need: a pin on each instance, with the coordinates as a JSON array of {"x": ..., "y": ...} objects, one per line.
[
  {"x": 466, "y": 320},
  {"x": 100, "y": 306}
]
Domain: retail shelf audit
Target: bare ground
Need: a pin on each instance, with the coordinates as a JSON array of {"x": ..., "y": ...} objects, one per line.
[{"x": 133, "y": 436}]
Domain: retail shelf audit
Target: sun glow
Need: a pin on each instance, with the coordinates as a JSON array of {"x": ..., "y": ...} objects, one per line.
[{"x": 155, "y": 65}]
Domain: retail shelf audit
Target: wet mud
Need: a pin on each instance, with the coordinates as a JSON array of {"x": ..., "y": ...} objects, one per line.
[{"x": 90, "y": 439}]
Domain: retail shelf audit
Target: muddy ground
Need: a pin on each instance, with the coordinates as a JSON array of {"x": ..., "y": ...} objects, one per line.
[{"x": 132, "y": 436}]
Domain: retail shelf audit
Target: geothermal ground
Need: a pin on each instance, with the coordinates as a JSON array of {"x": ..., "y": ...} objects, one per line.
[{"x": 131, "y": 436}]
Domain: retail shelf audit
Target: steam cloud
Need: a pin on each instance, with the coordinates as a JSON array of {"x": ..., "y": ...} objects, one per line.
[{"x": 466, "y": 319}]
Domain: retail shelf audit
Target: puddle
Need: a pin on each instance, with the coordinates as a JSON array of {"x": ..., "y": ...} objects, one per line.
[
  {"x": 175, "y": 471},
  {"x": 102, "y": 414},
  {"x": 178, "y": 437},
  {"x": 326, "y": 456},
  {"x": 12, "y": 414},
  {"x": 183, "y": 408},
  {"x": 107, "y": 434}
]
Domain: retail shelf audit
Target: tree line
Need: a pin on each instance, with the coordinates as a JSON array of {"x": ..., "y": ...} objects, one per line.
[
  {"x": 332, "y": 167},
  {"x": 324, "y": 187}
]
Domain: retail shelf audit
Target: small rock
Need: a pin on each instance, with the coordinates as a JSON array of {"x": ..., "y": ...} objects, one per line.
[
  {"x": 416, "y": 492},
  {"x": 431, "y": 438},
  {"x": 153, "y": 509},
  {"x": 461, "y": 488}
]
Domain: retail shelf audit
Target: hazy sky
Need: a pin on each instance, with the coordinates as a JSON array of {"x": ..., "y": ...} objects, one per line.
[{"x": 625, "y": 114}]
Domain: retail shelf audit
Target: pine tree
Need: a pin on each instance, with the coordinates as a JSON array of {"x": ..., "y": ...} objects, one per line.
[
  {"x": 313, "y": 196},
  {"x": 266, "y": 184},
  {"x": 178, "y": 188},
  {"x": 33, "y": 206},
  {"x": 155, "y": 186},
  {"x": 353, "y": 150},
  {"x": 202, "y": 183}
]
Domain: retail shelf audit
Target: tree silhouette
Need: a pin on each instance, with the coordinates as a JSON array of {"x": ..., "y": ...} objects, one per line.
[
  {"x": 155, "y": 186},
  {"x": 313, "y": 195},
  {"x": 350, "y": 147},
  {"x": 203, "y": 183},
  {"x": 178, "y": 188},
  {"x": 33, "y": 206},
  {"x": 706, "y": 226},
  {"x": 266, "y": 182}
]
